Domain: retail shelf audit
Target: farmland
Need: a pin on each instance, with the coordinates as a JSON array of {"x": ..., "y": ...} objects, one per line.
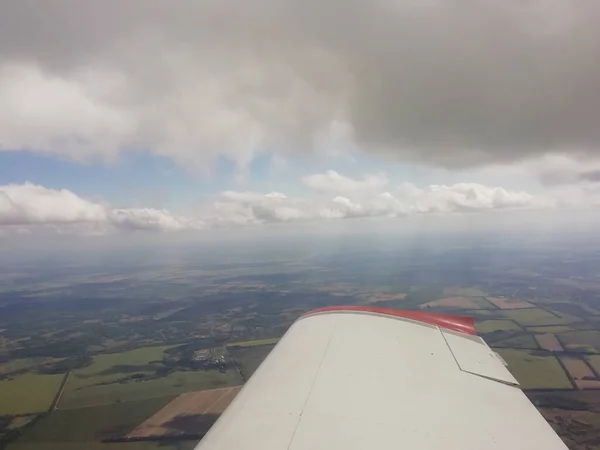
[
  {"x": 594, "y": 361},
  {"x": 87, "y": 427},
  {"x": 533, "y": 317},
  {"x": 489, "y": 326},
  {"x": 505, "y": 303},
  {"x": 548, "y": 342},
  {"x": 588, "y": 340},
  {"x": 255, "y": 343},
  {"x": 19, "y": 365},
  {"x": 190, "y": 414},
  {"x": 109, "y": 379},
  {"x": 588, "y": 384},
  {"x": 520, "y": 341},
  {"x": 179, "y": 445},
  {"x": 534, "y": 371},
  {"x": 550, "y": 329},
  {"x": 580, "y": 372},
  {"x": 171, "y": 384},
  {"x": 574, "y": 414},
  {"x": 460, "y": 291},
  {"x": 28, "y": 393},
  {"x": 249, "y": 358},
  {"x": 577, "y": 368},
  {"x": 460, "y": 303},
  {"x": 94, "y": 423},
  {"x": 383, "y": 298},
  {"x": 128, "y": 334}
]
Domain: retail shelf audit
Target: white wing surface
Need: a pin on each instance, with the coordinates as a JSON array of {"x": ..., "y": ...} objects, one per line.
[{"x": 350, "y": 378}]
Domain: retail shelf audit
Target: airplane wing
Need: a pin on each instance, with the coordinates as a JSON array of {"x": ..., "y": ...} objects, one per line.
[{"x": 359, "y": 377}]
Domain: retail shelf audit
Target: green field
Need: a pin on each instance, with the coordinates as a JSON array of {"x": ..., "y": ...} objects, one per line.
[
  {"x": 489, "y": 326},
  {"x": 180, "y": 445},
  {"x": 256, "y": 343},
  {"x": 551, "y": 329},
  {"x": 594, "y": 361},
  {"x": 91, "y": 424},
  {"x": 22, "y": 364},
  {"x": 588, "y": 340},
  {"x": 567, "y": 318},
  {"x": 249, "y": 358},
  {"x": 581, "y": 348},
  {"x": 535, "y": 372},
  {"x": 28, "y": 393},
  {"x": 536, "y": 316},
  {"x": 482, "y": 314},
  {"x": 84, "y": 428},
  {"x": 105, "y": 381},
  {"x": 522, "y": 341}
]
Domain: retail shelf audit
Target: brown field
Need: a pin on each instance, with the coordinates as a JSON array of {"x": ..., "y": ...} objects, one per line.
[
  {"x": 385, "y": 298},
  {"x": 19, "y": 422},
  {"x": 588, "y": 384},
  {"x": 577, "y": 368},
  {"x": 548, "y": 341},
  {"x": 508, "y": 303},
  {"x": 454, "y": 302},
  {"x": 193, "y": 404}
]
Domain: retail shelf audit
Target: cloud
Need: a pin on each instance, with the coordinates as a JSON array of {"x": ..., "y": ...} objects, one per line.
[
  {"x": 468, "y": 197},
  {"x": 345, "y": 198},
  {"x": 331, "y": 181},
  {"x": 275, "y": 195},
  {"x": 151, "y": 219},
  {"x": 453, "y": 82},
  {"x": 562, "y": 170},
  {"x": 27, "y": 206},
  {"x": 246, "y": 208}
]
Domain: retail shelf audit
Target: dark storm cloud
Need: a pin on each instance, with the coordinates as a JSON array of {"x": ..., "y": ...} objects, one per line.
[{"x": 455, "y": 82}]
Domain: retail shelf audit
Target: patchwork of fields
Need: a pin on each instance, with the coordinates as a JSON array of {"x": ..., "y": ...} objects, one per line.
[
  {"x": 460, "y": 303},
  {"x": 249, "y": 358},
  {"x": 190, "y": 414},
  {"x": 129, "y": 395},
  {"x": 109, "y": 379},
  {"x": 256, "y": 343},
  {"x": 535, "y": 371},
  {"x": 88, "y": 427},
  {"x": 489, "y": 326}
]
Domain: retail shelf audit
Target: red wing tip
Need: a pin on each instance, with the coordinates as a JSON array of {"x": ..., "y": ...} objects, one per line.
[{"x": 462, "y": 324}]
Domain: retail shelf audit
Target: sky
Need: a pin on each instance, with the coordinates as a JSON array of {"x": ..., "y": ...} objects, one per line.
[{"x": 138, "y": 116}]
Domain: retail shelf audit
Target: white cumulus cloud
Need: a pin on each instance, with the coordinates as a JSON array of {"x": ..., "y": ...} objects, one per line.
[
  {"x": 151, "y": 219},
  {"x": 332, "y": 182},
  {"x": 243, "y": 208},
  {"x": 341, "y": 197},
  {"x": 26, "y": 206},
  {"x": 465, "y": 197}
]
